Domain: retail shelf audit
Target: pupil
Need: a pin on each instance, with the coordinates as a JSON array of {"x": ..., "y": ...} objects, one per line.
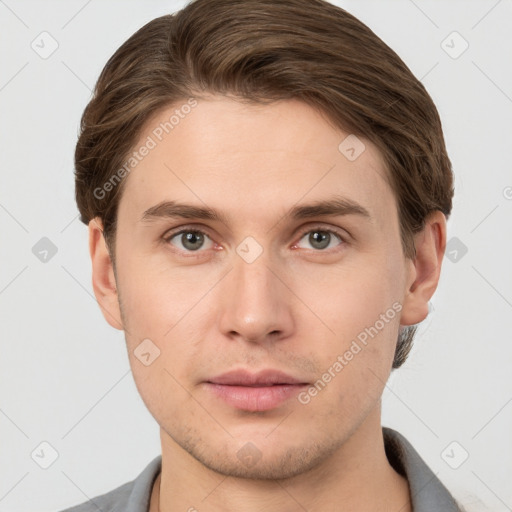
[
  {"x": 319, "y": 239},
  {"x": 190, "y": 240}
]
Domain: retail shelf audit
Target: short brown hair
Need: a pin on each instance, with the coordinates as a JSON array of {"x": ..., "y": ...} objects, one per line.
[{"x": 261, "y": 51}]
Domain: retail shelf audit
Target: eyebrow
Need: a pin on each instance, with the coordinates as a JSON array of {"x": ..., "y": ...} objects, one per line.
[{"x": 335, "y": 206}]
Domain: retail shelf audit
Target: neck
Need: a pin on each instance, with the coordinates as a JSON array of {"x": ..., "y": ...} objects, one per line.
[{"x": 356, "y": 477}]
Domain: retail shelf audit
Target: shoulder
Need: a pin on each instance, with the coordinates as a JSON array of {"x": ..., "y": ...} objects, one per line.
[
  {"x": 108, "y": 502},
  {"x": 427, "y": 491},
  {"x": 130, "y": 497}
]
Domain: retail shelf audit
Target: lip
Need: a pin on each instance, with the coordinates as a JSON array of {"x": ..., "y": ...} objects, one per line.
[
  {"x": 258, "y": 379},
  {"x": 261, "y": 391}
]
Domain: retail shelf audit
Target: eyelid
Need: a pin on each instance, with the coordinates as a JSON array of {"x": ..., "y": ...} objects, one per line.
[
  {"x": 170, "y": 234},
  {"x": 185, "y": 228},
  {"x": 340, "y": 233}
]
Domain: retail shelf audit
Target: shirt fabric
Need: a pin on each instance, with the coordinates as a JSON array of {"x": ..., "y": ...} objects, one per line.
[{"x": 427, "y": 492}]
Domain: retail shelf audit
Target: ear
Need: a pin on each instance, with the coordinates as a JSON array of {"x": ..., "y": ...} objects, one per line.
[
  {"x": 103, "y": 277},
  {"x": 430, "y": 245}
]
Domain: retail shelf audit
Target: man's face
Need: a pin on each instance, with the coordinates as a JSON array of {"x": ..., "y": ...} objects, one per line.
[{"x": 259, "y": 288}]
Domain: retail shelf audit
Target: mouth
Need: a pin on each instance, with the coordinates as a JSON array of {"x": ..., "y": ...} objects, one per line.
[{"x": 255, "y": 392}]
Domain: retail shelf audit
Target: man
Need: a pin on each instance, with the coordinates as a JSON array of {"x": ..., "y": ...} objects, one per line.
[{"x": 266, "y": 187}]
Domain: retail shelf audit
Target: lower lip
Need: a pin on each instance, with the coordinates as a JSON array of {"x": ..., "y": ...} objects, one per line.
[{"x": 255, "y": 399}]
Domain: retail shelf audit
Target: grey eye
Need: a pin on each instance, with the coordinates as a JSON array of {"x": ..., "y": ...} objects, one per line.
[
  {"x": 321, "y": 239},
  {"x": 190, "y": 240}
]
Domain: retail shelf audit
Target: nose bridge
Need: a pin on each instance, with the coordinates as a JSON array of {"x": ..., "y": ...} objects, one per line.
[
  {"x": 255, "y": 305},
  {"x": 253, "y": 280}
]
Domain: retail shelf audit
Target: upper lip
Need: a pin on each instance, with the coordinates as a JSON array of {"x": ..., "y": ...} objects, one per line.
[{"x": 261, "y": 378}]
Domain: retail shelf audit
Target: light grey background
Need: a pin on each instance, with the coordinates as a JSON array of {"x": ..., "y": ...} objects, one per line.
[{"x": 64, "y": 371}]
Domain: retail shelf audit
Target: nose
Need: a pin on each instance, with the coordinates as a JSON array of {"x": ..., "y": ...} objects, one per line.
[{"x": 256, "y": 302}]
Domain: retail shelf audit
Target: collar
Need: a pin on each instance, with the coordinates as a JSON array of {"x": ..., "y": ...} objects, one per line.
[{"x": 426, "y": 490}]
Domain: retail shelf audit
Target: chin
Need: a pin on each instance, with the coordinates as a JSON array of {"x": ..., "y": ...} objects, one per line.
[{"x": 269, "y": 461}]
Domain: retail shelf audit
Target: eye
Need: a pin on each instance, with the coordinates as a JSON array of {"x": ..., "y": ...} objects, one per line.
[
  {"x": 193, "y": 240},
  {"x": 190, "y": 240},
  {"x": 321, "y": 239}
]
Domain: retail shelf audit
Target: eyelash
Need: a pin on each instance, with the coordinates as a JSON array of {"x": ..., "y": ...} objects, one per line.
[{"x": 191, "y": 229}]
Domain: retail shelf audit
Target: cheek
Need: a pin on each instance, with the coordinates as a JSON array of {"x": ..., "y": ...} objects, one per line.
[
  {"x": 157, "y": 299},
  {"x": 353, "y": 375},
  {"x": 350, "y": 297},
  {"x": 358, "y": 308},
  {"x": 163, "y": 391},
  {"x": 166, "y": 313}
]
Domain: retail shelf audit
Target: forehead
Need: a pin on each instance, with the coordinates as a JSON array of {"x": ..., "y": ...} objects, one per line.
[{"x": 242, "y": 158}]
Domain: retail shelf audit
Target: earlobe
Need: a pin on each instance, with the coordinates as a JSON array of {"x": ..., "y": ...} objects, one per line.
[
  {"x": 430, "y": 245},
  {"x": 103, "y": 277}
]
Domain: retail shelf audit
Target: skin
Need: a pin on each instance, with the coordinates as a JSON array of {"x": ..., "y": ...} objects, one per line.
[{"x": 295, "y": 308}]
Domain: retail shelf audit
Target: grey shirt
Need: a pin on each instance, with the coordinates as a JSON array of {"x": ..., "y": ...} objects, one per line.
[{"x": 428, "y": 494}]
